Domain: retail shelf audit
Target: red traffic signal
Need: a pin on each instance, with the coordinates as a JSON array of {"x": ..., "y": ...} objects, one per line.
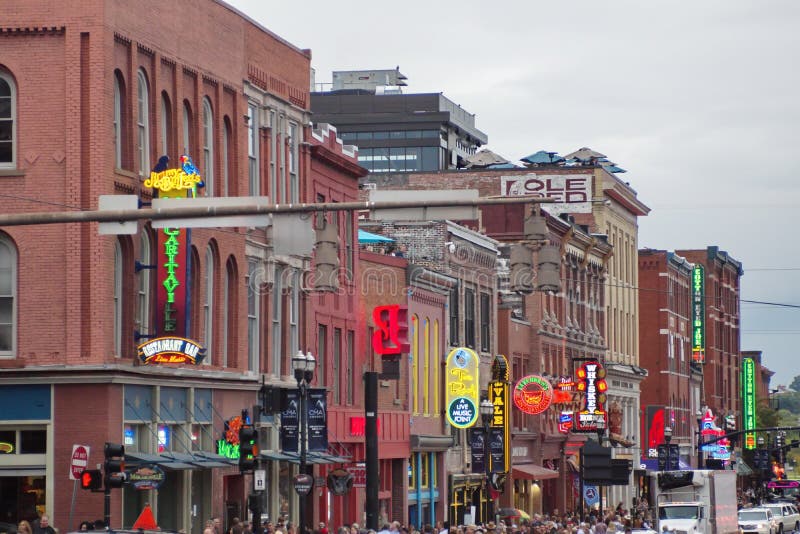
[{"x": 91, "y": 479}]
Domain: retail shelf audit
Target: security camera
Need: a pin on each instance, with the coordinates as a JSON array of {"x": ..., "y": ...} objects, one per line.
[{"x": 451, "y": 246}]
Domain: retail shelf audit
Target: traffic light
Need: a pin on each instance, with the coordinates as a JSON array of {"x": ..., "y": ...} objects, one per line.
[
  {"x": 114, "y": 465},
  {"x": 535, "y": 228},
  {"x": 521, "y": 275},
  {"x": 595, "y": 463},
  {"x": 548, "y": 269},
  {"x": 663, "y": 453},
  {"x": 761, "y": 460},
  {"x": 248, "y": 448},
  {"x": 621, "y": 471},
  {"x": 326, "y": 257},
  {"x": 91, "y": 479},
  {"x": 673, "y": 463}
]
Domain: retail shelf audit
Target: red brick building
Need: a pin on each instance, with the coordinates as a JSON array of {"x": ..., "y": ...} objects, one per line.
[
  {"x": 722, "y": 369},
  {"x": 670, "y": 394},
  {"x": 97, "y": 92}
]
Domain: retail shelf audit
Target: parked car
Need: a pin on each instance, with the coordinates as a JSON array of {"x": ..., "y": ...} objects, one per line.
[
  {"x": 757, "y": 521},
  {"x": 786, "y": 514}
]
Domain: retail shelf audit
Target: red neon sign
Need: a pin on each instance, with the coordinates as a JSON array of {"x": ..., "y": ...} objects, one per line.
[
  {"x": 172, "y": 258},
  {"x": 391, "y": 330}
]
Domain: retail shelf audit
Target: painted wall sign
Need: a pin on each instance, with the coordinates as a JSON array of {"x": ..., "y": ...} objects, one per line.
[
  {"x": 391, "y": 330},
  {"x": 749, "y": 402},
  {"x": 699, "y": 314},
  {"x": 571, "y": 192},
  {"x": 533, "y": 394},
  {"x": 591, "y": 381},
  {"x": 462, "y": 389},
  {"x": 500, "y": 426},
  {"x": 171, "y": 350},
  {"x": 147, "y": 477}
]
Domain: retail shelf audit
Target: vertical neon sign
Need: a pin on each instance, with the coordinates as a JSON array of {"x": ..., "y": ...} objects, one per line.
[
  {"x": 749, "y": 402},
  {"x": 699, "y": 314}
]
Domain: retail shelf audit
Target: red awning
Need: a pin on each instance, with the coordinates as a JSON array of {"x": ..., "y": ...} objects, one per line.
[{"x": 533, "y": 472}]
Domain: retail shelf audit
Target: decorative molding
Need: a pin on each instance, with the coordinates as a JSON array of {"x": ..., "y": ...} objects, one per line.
[{"x": 33, "y": 30}]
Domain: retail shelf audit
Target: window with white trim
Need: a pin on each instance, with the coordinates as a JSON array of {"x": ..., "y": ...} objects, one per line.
[
  {"x": 252, "y": 148},
  {"x": 8, "y": 294},
  {"x": 208, "y": 306},
  {"x": 143, "y": 293},
  {"x": 253, "y": 314},
  {"x": 117, "y": 315},
  {"x": 208, "y": 147},
  {"x": 143, "y": 122},
  {"x": 166, "y": 123},
  {"x": 119, "y": 96},
  {"x": 226, "y": 157},
  {"x": 187, "y": 127}
]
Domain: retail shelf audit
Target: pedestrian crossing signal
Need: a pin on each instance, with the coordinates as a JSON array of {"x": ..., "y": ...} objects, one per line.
[{"x": 91, "y": 479}]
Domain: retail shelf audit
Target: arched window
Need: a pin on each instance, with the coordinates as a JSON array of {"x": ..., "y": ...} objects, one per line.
[
  {"x": 143, "y": 122},
  {"x": 229, "y": 308},
  {"x": 426, "y": 359},
  {"x": 226, "y": 157},
  {"x": 166, "y": 123},
  {"x": 187, "y": 127},
  {"x": 8, "y": 298},
  {"x": 414, "y": 381},
  {"x": 119, "y": 119},
  {"x": 117, "y": 316},
  {"x": 253, "y": 315},
  {"x": 143, "y": 292},
  {"x": 208, "y": 147},
  {"x": 208, "y": 306},
  {"x": 8, "y": 123},
  {"x": 194, "y": 293},
  {"x": 436, "y": 364}
]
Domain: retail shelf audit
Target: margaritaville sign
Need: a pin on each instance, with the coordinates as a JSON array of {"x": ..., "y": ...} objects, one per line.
[{"x": 172, "y": 271}]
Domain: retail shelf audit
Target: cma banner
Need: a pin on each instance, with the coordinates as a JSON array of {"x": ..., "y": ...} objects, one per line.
[{"x": 317, "y": 411}]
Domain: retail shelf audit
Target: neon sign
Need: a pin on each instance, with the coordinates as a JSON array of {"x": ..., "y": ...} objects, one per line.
[
  {"x": 391, "y": 330},
  {"x": 500, "y": 460},
  {"x": 6, "y": 447},
  {"x": 749, "y": 402},
  {"x": 533, "y": 394},
  {"x": 591, "y": 380},
  {"x": 185, "y": 178},
  {"x": 171, "y": 350},
  {"x": 699, "y": 314},
  {"x": 461, "y": 390}
]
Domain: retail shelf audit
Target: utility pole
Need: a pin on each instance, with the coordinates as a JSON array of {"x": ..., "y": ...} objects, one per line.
[{"x": 371, "y": 445}]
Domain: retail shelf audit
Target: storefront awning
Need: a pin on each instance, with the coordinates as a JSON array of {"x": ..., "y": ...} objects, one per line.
[
  {"x": 533, "y": 472},
  {"x": 177, "y": 461},
  {"x": 311, "y": 457}
]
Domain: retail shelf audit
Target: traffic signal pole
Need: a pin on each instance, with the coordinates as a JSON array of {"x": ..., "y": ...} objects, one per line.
[{"x": 154, "y": 214}]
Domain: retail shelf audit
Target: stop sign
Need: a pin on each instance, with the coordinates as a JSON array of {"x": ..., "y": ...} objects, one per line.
[{"x": 79, "y": 461}]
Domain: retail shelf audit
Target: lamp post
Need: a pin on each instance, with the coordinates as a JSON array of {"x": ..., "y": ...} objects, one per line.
[
  {"x": 303, "y": 365},
  {"x": 700, "y": 415},
  {"x": 667, "y": 440},
  {"x": 487, "y": 409}
]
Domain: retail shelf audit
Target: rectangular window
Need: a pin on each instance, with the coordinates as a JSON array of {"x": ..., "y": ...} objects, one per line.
[
  {"x": 322, "y": 354},
  {"x": 273, "y": 181},
  {"x": 252, "y": 149},
  {"x": 281, "y": 159},
  {"x": 351, "y": 342},
  {"x": 348, "y": 244},
  {"x": 277, "y": 310},
  {"x": 455, "y": 338},
  {"x": 486, "y": 316},
  {"x": 336, "y": 364},
  {"x": 294, "y": 186},
  {"x": 469, "y": 318},
  {"x": 294, "y": 314},
  {"x": 252, "y": 315}
]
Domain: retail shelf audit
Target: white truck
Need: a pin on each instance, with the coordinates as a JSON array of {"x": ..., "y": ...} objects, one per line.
[{"x": 694, "y": 502}]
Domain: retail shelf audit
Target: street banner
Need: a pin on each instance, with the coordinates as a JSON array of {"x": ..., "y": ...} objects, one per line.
[
  {"x": 476, "y": 445},
  {"x": 317, "y": 410},
  {"x": 290, "y": 422}
]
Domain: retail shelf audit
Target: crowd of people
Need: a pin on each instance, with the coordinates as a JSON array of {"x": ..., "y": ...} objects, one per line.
[{"x": 618, "y": 520}]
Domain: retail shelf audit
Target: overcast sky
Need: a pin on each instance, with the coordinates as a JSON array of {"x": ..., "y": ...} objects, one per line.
[{"x": 698, "y": 101}]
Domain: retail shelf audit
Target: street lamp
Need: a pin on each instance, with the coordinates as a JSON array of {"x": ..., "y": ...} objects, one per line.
[
  {"x": 487, "y": 409},
  {"x": 303, "y": 365}
]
